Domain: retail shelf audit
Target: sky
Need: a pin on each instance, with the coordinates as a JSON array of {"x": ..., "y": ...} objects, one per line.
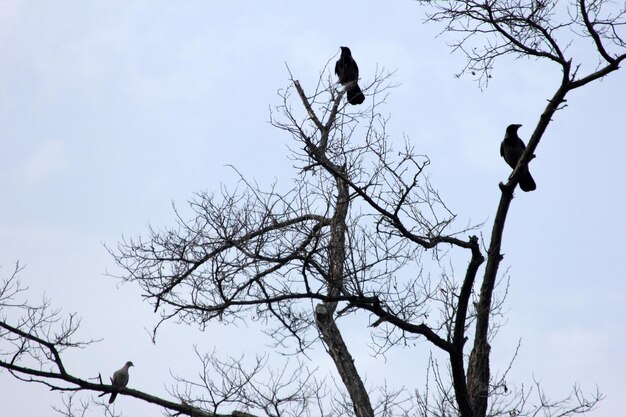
[{"x": 111, "y": 111}]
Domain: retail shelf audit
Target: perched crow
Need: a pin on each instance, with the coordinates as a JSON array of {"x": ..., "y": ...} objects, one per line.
[
  {"x": 511, "y": 150},
  {"x": 348, "y": 72}
]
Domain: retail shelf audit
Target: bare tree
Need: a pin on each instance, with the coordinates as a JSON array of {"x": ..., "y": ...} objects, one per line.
[
  {"x": 348, "y": 235},
  {"x": 533, "y": 29}
]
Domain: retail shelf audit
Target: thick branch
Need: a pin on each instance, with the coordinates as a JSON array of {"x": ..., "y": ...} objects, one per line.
[
  {"x": 602, "y": 72},
  {"x": 478, "y": 369},
  {"x": 344, "y": 362},
  {"x": 385, "y": 316},
  {"x": 463, "y": 397},
  {"x": 329, "y": 331}
]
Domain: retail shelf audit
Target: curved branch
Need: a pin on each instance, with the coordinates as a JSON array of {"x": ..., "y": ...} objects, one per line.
[
  {"x": 594, "y": 34},
  {"x": 614, "y": 66},
  {"x": 526, "y": 49},
  {"x": 81, "y": 384}
]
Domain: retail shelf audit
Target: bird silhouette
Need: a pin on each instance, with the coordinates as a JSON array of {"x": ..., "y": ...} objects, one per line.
[
  {"x": 348, "y": 72},
  {"x": 511, "y": 150}
]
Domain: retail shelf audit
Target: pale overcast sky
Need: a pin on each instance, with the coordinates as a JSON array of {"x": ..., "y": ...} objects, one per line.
[{"x": 110, "y": 111}]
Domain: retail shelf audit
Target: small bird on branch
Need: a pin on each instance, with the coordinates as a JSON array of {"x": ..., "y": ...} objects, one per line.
[{"x": 119, "y": 379}]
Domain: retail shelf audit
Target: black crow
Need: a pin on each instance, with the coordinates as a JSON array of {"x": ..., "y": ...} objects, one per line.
[
  {"x": 348, "y": 72},
  {"x": 511, "y": 150}
]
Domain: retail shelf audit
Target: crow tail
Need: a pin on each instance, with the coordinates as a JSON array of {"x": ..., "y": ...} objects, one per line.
[
  {"x": 526, "y": 181},
  {"x": 355, "y": 95}
]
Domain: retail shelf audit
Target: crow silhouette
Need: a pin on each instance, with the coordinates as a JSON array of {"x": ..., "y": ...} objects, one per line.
[
  {"x": 511, "y": 150},
  {"x": 348, "y": 72}
]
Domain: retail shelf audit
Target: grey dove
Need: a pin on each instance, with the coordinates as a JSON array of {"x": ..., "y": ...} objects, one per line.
[{"x": 119, "y": 379}]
